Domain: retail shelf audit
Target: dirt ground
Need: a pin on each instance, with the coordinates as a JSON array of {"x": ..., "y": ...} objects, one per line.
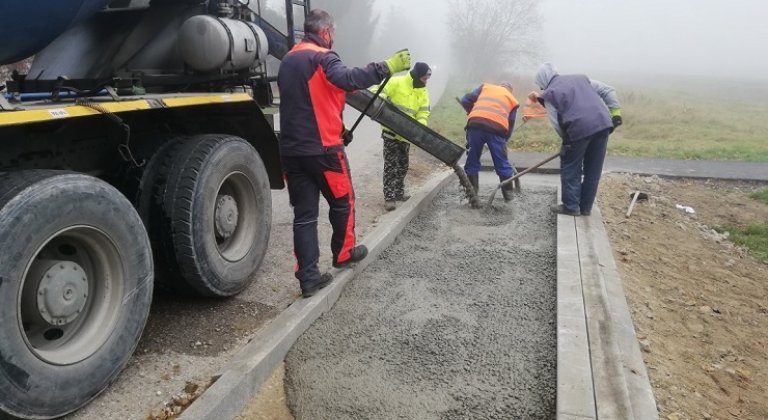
[{"x": 699, "y": 304}]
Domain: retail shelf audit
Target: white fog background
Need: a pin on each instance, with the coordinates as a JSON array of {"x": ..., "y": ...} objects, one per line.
[{"x": 705, "y": 38}]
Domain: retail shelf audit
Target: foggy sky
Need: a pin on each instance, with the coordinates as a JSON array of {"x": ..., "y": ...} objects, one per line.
[
  {"x": 719, "y": 38},
  {"x": 714, "y": 38}
]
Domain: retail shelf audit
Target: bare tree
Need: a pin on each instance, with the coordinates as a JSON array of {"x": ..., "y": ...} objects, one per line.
[{"x": 493, "y": 37}]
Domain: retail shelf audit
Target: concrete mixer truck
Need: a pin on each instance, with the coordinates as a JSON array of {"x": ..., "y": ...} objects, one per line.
[{"x": 134, "y": 152}]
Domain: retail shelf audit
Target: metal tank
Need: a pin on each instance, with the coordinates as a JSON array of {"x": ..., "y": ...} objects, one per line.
[
  {"x": 22, "y": 38},
  {"x": 207, "y": 43}
]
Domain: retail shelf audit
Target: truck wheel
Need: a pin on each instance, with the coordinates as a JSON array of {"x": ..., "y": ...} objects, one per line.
[
  {"x": 214, "y": 207},
  {"x": 75, "y": 290}
]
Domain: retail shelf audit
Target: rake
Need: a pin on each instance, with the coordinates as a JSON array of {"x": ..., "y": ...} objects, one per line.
[{"x": 518, "y": 175}]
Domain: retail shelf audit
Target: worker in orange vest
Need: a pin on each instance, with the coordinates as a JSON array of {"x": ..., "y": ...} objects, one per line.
[{"x": 491, "y": 113}]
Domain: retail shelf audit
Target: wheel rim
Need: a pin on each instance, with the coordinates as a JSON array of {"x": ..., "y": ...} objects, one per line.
[
  {"x": 71, "y": 295},
  {"x": 234, "y": 225}
]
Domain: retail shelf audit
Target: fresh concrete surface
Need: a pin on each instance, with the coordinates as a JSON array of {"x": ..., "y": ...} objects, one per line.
[
  {"x": 598, "y": 317},
  {"x": 455, "y": 320},
  {"x": 243, "y": 376}
]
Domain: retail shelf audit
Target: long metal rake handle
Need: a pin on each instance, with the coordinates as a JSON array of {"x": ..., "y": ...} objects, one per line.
[{"x": 518, "y": 175}]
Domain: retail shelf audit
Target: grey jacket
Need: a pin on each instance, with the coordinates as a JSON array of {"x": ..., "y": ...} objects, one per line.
[{"x": 577, "y": 106}]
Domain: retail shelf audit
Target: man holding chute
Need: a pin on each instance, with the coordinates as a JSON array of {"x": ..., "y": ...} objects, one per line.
[
  {"x": 313, "y": 83},
  {"x": 491, "y": 113},
  {"x": 584, "y": 113}
]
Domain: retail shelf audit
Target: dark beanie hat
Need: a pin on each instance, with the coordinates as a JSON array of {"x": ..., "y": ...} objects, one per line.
[{"x": 420, "y": 70}]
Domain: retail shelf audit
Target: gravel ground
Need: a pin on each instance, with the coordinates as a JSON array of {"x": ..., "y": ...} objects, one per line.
[{"x": 455, "y": 320}]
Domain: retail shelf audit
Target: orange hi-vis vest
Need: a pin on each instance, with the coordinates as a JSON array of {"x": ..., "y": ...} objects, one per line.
[{"x": 494, "y": 104}]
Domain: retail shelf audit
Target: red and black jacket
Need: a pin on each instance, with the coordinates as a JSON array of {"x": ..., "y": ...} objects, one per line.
[{"x": 313, "y": 81}]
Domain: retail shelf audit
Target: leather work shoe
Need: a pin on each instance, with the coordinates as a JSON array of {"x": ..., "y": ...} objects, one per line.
[
  {"x": 560, "y": 209},
  {"x": 309, "y": 291},
  {"x": 358, "y": 253},
  {"x": 403, "y": 198},
  {"x": 586, "y": 213},
  {"x": 390, "y": 205}
]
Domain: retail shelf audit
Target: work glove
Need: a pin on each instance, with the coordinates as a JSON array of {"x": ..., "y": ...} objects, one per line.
[
  {"x": 616, "y": 119},
  {"x": 399, "y": 61},
  {"x": 346, "y": 136}
]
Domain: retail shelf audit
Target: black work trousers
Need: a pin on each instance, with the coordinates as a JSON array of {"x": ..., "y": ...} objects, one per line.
[
  {"x": 308, "y": 177},
  {"x": 396, "y": 157}
]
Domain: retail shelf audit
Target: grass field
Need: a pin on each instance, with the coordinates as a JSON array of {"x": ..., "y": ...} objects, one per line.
[{"x": 689, "y": 119}]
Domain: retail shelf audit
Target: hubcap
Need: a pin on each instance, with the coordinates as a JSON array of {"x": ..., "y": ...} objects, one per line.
[
  {"x": 62, "y": 291},
  {"x": 234, "y": 223},
  {"x": 226, "y": 216},
  {"x": 72, "y": 295}
]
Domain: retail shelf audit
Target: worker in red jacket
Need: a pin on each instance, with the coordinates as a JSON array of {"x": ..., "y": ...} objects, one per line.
[{"x": 313, "y": 83}]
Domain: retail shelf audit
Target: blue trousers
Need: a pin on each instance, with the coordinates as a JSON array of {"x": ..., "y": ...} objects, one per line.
[
  {"x": 476, "y": 138},
  {"x": 582, "y": 158}
]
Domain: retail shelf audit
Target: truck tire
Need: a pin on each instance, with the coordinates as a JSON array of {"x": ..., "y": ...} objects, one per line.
[
  {"x": 212, "y": 215},
  {"x": 76, "y": 281}
]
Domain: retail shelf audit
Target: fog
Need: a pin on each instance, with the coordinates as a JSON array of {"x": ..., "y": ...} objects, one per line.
[
  {"x": 704, "y": 38},
  {"x": 716, "y": 38},
  {"x": 710, "y": 38}
]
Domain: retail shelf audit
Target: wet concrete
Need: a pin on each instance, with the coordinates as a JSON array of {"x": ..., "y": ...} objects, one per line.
[{"x": 455, "y": 320}]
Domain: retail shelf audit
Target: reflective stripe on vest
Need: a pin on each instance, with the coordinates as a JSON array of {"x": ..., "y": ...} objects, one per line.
[{"x": 495, "y": 103}]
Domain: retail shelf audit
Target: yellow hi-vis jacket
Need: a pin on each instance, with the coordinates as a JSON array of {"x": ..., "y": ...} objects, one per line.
[{"x": 413, "y": 101}]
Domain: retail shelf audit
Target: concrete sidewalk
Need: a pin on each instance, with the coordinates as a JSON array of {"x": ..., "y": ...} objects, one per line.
[
  {"x": 600, "y": 368},
  {"x": 719, "y": 169}
]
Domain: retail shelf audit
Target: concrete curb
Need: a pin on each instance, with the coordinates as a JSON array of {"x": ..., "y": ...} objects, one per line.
[
  {"x": 252, "y": 365},
  {"x": 600, "y": 370},
  {"x": 575, "y": 388}
]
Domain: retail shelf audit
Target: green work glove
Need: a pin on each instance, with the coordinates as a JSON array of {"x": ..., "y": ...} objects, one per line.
[{"x": 399, "y": 61}]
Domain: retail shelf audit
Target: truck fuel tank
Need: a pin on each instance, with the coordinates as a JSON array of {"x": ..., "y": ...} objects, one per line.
[{"x": 209, "y": 44}]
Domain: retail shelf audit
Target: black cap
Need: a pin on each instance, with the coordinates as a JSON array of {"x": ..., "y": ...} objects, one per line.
[{"x": 420, "y": 70}]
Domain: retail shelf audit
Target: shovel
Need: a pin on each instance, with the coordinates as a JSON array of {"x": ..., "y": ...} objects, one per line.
[{"x": 509, "y": 180}]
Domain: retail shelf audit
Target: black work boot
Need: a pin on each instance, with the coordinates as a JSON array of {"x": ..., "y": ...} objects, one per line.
[
  {"x": 507, "y": 189},
  {"x": 560, "y": 209},
  {"x": 356, "y": 254},
  {"x": 474, "y": 180},
  {"x": 308, "y": 290}
]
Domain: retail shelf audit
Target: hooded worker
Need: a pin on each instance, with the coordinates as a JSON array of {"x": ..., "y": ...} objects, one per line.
[
  {"x": 491, "y": 110},
  {"x": 409, "y": 93},
  {"x": 584, "y": 112}
]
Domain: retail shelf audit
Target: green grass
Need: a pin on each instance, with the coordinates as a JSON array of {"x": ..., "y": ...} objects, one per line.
[
  {"x": 679, "y": 124},
  {"x": 754, "y": 237},
  {"x": 761, "y": 195}
]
